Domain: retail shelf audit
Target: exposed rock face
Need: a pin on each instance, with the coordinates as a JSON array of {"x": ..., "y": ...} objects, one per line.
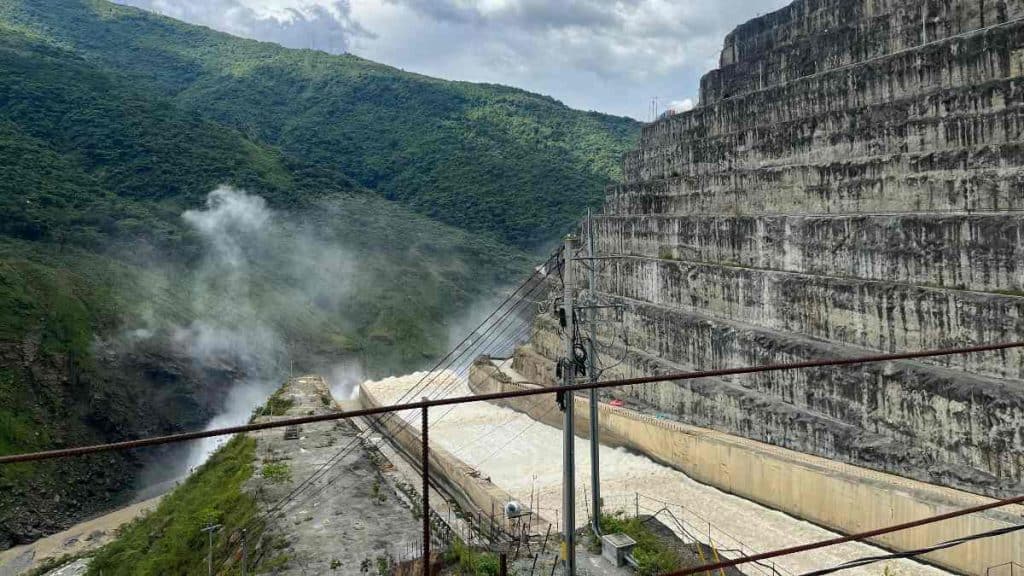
[
  {"x": 852, "y": 181},
  {"x": 123, "y": 392}
]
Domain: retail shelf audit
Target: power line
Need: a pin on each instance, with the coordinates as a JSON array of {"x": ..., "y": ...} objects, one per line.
[
  {"x": 522, "y": 332},
  {"x": 347, "y": 449},
  {"x": 158, "y": 440},
  {"x": 537, "y": 277},
  {"x": 422, "y": 384},
  {"x": 569, "y": 388}
]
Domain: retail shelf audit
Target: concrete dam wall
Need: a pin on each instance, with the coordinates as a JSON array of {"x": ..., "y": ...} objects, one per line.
[{"x": 852, "y": 181}]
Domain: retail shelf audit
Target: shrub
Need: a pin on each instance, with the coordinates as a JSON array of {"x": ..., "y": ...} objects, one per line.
[{"x": 277, "y": 472}]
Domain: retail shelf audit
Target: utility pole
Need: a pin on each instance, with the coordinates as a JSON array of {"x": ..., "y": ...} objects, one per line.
[
  {"x": 425, "y": 459},
  {"x": 595, "y": 443},
  {"x": 568, "y": 426},
  {"x": 210, "y": 529}
]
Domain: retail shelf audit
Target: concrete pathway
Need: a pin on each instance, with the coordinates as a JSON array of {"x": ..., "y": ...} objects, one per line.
[{"x": 347, "y": 519}]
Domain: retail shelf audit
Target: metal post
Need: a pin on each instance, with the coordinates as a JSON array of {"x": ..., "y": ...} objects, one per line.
[
  {"x": 210, "y": 529},
  {"x": 543, "y": 550},
  {"x": 425, "y": 455},
  {"x": 595, "y": 443},
  {"x": 568, "y": 428},
  {"x": 502, "y": 564},
  {"x": 245, "y": 554},
  {"x": 209, "y": 554}
]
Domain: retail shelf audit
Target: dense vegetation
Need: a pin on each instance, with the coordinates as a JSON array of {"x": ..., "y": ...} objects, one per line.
[
  {"x": 114, "y": 122},
  {"x": 485, "y": 158},
  {"x": 169, "y": 540}
]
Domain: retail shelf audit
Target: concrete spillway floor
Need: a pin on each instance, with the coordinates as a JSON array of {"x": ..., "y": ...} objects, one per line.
[{"x": 524, "y": 457}]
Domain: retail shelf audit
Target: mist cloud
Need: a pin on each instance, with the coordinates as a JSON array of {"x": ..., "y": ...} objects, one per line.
[
  {"x": 235, "y": 228},
  {"x": 259, "y": 270}
]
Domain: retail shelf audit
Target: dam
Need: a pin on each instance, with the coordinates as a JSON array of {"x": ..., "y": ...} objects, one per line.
[{"x": 851, "y": 182}]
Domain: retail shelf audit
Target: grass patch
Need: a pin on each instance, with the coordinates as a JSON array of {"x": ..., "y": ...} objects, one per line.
[
  {"x": 20, "y": 430},
  {"x": 277, "y": 472},
  {"x": 277, "y": 405},
  {"x": 168, "y": 540},
  {"x": 652, "y": 555},
  {"x": 466, "y": 561}
]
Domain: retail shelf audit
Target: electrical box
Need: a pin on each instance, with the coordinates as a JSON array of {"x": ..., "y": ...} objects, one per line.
[{"x": 615, "y": 548}]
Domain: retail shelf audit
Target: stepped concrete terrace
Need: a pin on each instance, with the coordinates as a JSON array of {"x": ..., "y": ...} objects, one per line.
[{"x": 851, "y": 182}]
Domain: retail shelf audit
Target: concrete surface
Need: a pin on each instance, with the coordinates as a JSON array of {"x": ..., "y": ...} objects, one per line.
[{"x": 361, "y": 516}]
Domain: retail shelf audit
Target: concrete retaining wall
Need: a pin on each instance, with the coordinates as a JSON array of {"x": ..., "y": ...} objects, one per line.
[{"x": 475, "y": 495}]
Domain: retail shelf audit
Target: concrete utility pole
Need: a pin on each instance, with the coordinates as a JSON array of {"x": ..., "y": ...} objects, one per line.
[
  {"x": 595, "y": 444},
  {"x": 568, "y": 426},
  {"x": 210, "y": 529}
]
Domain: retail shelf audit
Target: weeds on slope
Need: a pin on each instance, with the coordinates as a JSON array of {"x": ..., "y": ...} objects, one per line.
[{"x": 169, "y": 540}]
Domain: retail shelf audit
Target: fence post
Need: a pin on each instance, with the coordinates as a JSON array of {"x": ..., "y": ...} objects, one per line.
[
  {"x": 245, "y": 553},
  {"x": 543, "y": 549},
  {"x": 426, "y": 491}
]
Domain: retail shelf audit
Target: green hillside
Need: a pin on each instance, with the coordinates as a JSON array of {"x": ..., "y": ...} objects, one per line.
[
  {"x": 395, "y": 200},
  {"x": 484, "y": 158},
  {"x": 92, "y": 164}
]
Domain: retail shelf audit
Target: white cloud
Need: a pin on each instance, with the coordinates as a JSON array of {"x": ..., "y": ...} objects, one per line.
[
  {"x": 684, "y": 105},
  {"x": 609, "y": 55},
  {"x": 316, "y": 24}
]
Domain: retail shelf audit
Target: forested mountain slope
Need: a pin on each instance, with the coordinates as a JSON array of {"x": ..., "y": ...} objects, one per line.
[
  {"x": 132, "y": 300},
  {"x": 485, "y": 158}
]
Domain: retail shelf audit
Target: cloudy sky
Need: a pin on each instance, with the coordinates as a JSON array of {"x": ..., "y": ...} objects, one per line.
[{"x": 614, "y": 56}]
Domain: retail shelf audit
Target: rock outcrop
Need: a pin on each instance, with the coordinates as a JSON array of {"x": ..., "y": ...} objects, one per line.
[{"x": 852, "y": 181}]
